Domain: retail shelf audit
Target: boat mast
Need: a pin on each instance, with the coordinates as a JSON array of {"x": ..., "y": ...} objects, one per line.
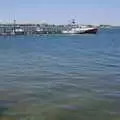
[{"x": 14, "y": 26}]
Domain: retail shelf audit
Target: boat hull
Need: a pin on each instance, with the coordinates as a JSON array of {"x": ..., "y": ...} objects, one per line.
[
  {"x": 82, "y": 31},
  {"x": 92, "y": 31}
]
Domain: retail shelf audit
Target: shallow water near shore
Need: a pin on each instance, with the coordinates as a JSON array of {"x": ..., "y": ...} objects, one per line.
[{"x": 60, "y": 77}]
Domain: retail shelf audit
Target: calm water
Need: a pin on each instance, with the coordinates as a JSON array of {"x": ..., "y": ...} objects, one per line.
[{"x": 60, "y": 77}]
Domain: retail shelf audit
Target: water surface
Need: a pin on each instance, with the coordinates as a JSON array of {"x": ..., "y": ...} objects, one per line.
[{"x": 60, "y": 77}]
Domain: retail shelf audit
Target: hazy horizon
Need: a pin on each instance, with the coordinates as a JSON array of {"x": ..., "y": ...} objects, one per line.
[{"x": 61, "y": 12}]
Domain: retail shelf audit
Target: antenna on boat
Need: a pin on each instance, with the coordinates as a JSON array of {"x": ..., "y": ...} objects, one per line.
[{"x": 73, "y": 21}]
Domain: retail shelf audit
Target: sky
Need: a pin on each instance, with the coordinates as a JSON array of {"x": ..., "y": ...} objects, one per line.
[{"x": 61, "y": 11}]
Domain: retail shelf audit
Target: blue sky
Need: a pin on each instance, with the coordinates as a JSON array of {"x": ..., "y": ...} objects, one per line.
[{"x": 61, "y": 11}]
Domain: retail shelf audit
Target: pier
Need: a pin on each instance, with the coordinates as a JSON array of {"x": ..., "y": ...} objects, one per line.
[{"x": 29, "y": 29}]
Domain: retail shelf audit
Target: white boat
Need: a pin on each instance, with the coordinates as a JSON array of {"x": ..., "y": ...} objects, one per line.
[
  {"x": 18, "y": 31},
  {"x": 81, "y": 30},
  {"x": 38, "y": 29}
]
